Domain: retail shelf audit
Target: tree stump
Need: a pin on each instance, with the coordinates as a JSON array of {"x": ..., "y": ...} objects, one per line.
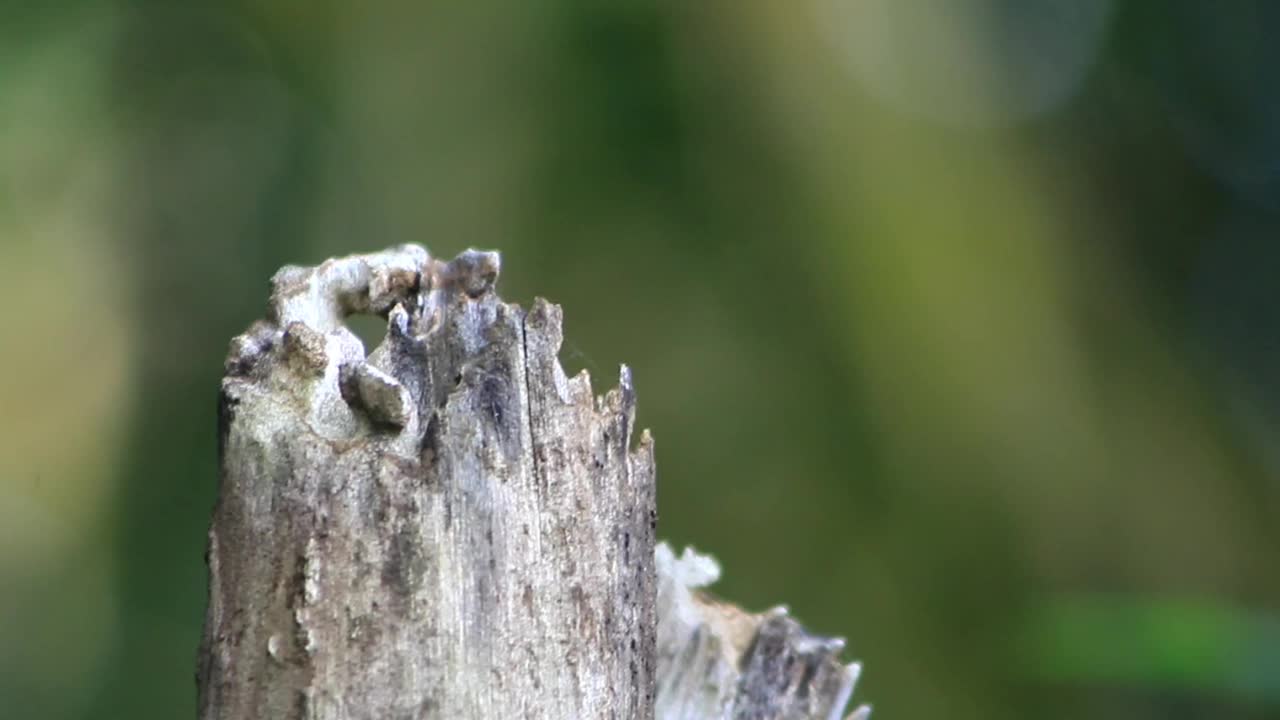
[{"x": 452, "y": 528}]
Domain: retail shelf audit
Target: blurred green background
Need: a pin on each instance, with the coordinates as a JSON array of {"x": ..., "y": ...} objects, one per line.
[{"x": 956, "y": 321}]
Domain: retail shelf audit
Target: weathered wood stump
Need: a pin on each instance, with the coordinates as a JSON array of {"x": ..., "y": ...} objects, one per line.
[{"x": 452, "y": 528}]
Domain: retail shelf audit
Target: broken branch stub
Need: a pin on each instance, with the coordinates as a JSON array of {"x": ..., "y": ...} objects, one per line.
[
  {"x": 447, "y": 528},
  {"x": 452, "y": 528}
]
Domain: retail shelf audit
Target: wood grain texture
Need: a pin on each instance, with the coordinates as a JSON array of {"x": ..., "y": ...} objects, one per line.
[
  {"x": 452, "y": 528},
  {"x": 719, "y": 662},
  {"x": 449, "y": 528}
]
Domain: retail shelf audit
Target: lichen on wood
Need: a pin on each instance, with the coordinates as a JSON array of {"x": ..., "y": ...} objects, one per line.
[
  {"x": 450, "y": 527},
  {"x": 446, "y": 528}
]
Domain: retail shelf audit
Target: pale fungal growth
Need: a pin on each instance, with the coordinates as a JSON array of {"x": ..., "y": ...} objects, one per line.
[
  {"x": 718, "y": 662},
  {"x": 450, "y": 527},
  {"x": 306, "y": 319}
]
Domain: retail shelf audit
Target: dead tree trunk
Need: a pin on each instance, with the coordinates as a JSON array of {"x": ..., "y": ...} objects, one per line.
[{"x": 451, "y": 528}]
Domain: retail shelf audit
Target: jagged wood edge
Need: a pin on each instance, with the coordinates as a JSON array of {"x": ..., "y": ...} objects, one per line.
[
  {"x": 334, "y": 464},
  {"x": 716, "y": 660}
]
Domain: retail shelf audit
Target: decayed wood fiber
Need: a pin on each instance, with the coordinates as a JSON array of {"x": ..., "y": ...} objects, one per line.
[{"x": 452, "y": 528}]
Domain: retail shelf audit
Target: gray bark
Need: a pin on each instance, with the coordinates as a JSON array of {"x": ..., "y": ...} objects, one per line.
[{"x": 452, "y": 528}]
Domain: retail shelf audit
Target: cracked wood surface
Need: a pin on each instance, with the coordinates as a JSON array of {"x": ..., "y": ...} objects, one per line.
[
  {"x": 718, "y": 662},
  {"x": 452, "y": 528}
]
